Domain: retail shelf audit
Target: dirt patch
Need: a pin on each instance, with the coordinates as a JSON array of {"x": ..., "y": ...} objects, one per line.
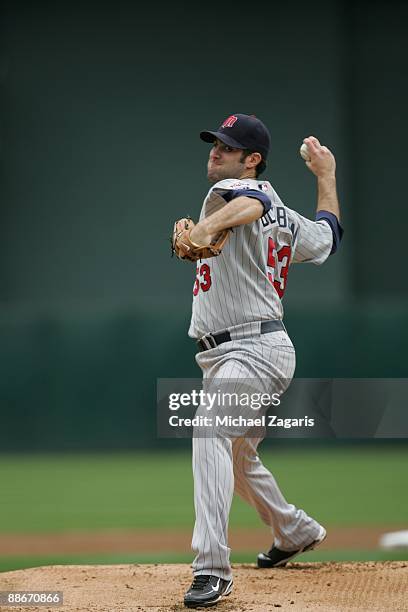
[
  {"x": 120, "y": 541},
  {"x": 328, "y": 587}
]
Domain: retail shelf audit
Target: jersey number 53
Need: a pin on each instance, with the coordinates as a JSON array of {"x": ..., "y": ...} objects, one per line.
[
  {"x": 278, "y": 262},
  {"x": 203, "y": 278}
]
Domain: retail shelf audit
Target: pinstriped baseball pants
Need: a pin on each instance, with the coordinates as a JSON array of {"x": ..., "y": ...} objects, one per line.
[{"x": 225, "y": 459}]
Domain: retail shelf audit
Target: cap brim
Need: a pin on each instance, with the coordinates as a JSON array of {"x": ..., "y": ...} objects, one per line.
[{"x": 211, "y": 136}]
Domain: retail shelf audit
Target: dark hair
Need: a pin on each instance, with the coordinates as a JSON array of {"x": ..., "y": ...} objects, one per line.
[{"x": 259, "y": 168}]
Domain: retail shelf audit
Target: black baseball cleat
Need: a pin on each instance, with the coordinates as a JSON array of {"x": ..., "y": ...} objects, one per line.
[
  {"x": 206, "y": 591},
  {"x": 278, "y": 558}
]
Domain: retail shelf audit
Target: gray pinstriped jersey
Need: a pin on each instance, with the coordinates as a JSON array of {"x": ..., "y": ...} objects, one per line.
[{"x": 247, "y": 281}]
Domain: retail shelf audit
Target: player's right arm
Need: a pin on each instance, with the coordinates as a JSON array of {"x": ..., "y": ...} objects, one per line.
[
  {"x": 236, "y": 203},
  {"x": 240, "y": 211}
]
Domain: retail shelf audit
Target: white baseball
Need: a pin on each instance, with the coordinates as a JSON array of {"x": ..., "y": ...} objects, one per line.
[{"x": 304, "y": 152}]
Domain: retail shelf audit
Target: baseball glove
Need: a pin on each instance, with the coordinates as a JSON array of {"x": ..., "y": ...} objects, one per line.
[{"x": 185, "y": 248}]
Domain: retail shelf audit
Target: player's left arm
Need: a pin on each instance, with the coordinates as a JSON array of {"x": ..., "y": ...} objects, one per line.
[
  {"x": 323, "y": 165},
  {"x": 238, "y": 211}
]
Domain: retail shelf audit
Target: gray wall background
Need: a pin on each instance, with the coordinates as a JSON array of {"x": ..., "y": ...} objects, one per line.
[{"x": 101, "y": 106}]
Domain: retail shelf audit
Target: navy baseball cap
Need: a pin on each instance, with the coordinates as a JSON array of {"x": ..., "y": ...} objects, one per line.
[{"x": 242, "y": 132}]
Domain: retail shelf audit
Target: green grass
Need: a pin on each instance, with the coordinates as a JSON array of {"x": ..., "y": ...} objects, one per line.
[
  {"x": 351, "y": 486},
  {"x": 15, "y": 563},
  {"x": 339, "y": 486},
  {"x": 348, "y": 486}
]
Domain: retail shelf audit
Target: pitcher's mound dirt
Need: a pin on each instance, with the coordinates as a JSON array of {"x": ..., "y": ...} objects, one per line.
[{"x": 327, "y": 587}]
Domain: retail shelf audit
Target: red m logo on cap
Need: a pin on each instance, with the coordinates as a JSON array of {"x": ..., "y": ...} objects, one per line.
[{"x": 230, "y": 121}]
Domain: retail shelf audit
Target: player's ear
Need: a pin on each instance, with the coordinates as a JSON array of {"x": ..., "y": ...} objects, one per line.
[{"x": 253, "y": 160}]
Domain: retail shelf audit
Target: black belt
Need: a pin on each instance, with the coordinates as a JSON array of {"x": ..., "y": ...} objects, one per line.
[{"x": 212, "y": 340}]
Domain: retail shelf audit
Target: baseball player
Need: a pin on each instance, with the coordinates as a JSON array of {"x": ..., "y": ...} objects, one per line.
[{"x": 237, "y": 313}]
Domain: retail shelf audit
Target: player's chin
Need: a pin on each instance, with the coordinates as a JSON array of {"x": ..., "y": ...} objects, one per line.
[{"x": 214, "y": 175}]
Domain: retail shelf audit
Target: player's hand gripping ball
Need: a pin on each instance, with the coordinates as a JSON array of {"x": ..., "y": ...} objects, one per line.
[
  {"x": 304, "y": 152},
  {"x": 185, "y": 248}
]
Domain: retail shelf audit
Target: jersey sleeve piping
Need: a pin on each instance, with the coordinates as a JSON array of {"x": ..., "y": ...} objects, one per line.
[
  {"x": 231, "y": 194},
  {"x": 333, "y": 222}
]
